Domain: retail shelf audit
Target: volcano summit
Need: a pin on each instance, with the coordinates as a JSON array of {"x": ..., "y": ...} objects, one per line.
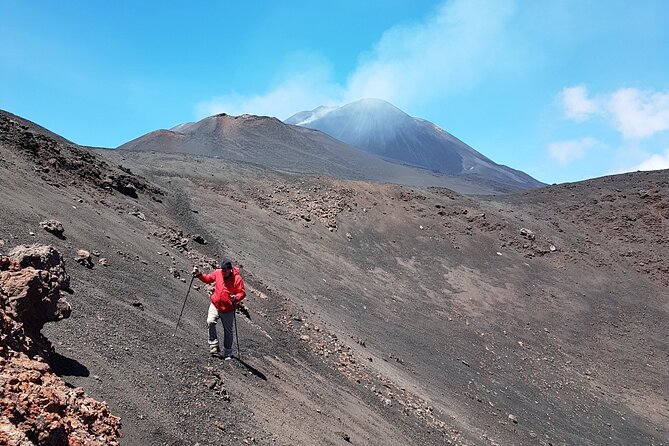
[{"x": 378, "y": 127}]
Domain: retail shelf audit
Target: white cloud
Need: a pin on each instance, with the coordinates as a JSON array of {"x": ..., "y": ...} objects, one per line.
[
  {"x": 565, "y": 152},
  {"x": 634, "y": 113},
  {"x": 451, "y": 50},
  {"x": 654, "y": 162},
  {"x": 300, "y": 92},
  {"x": 576, "y": 104},
  {"x": 639, "y": 114}
]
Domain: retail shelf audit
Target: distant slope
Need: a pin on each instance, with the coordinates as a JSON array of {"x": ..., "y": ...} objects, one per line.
[
  {"x": 30, "y": 126},
  {"x": 58, "y": 160},
  {"x": 380, "y": 128},
  {"x": 268, "y": 142}
]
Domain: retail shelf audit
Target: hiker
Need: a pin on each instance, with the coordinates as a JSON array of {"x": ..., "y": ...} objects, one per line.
[{"x": 228, "y": 291}]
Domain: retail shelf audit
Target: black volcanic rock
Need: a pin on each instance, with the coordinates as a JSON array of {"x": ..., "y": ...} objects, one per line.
[{"x": 378, "y": 127}]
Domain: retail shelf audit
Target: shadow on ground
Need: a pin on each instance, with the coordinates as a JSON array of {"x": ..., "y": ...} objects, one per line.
[
  {"x": 64, "y": 366},
  {"x": 255, "y": 372}
]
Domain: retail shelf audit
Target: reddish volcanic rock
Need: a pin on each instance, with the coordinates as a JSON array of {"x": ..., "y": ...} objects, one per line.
[{"x": 36, "y": 407}]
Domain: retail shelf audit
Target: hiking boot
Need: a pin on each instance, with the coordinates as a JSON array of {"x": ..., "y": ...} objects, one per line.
[
  {"x": 214, "y": 350},
  {"x": 228, "y": 357}
]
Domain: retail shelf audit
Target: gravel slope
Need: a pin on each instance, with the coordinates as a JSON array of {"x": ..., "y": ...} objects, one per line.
[{"x": 381, "y": 314}]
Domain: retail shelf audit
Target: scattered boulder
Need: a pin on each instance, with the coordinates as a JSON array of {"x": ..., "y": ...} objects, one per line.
[
  {"x": 128, "y": 189},
  {"x": 54, "y": 227},
  {"x": 84, "y": 258},
  {"x": 32, "y": 297},
  {"x": 175, "y": 238},
  {"x": 346, "y": 437},
  {"x": 527, "y": 234},
  {"x": 197, "y": 238},
  {"x": 139, "y": 215},
  {"x": 103, "y": 261}
]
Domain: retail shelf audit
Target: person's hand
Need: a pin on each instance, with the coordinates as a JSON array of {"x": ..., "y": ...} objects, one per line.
[
  {"x": 233, "y": 298},
  {"x": 196, "y": 271}
]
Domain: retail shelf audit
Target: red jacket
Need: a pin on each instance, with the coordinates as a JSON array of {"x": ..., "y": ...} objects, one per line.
[{"x": 224, "y": 288}]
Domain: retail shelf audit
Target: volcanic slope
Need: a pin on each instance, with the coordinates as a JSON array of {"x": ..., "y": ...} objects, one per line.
[
  {"x": 269, "y": 143},
  {"x": 380, "y": 128},
  {"x": 381, "y": 314}
]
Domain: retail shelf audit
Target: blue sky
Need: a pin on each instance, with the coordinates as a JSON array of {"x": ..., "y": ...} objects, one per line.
[{"x": 563, "y": 90}]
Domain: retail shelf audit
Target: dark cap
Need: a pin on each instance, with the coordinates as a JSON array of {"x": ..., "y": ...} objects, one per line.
[{"x": 226, "y": 263}]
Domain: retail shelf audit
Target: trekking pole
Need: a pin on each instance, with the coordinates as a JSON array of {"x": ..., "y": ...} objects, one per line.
[
  {"x": 234, "y": 319},
  {"x": 183, "y": 306}
]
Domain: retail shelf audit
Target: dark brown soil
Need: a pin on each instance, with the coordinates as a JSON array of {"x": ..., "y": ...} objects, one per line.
[{"x": 381, "y": 314}]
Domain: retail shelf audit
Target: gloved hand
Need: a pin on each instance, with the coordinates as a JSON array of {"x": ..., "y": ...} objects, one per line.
[
  {"x": 233, "y": 298},
  {"x": 196, "y": 271}
]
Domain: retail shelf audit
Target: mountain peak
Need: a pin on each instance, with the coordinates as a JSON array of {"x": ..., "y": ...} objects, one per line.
[
  {"x": 372, "y": 102},
  {"x": 370, "y": 107},
  {"x": 376, "y": 109},
  {"x": 378, "y": 127}
]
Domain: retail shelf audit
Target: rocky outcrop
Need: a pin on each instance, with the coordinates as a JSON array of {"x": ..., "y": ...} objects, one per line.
[
  {"x": 36, "y": 406},
  {"x": 58, "y": 161}
]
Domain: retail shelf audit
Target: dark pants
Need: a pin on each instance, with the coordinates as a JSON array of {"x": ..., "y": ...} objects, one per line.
[{"x": 227, "y": 319}]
